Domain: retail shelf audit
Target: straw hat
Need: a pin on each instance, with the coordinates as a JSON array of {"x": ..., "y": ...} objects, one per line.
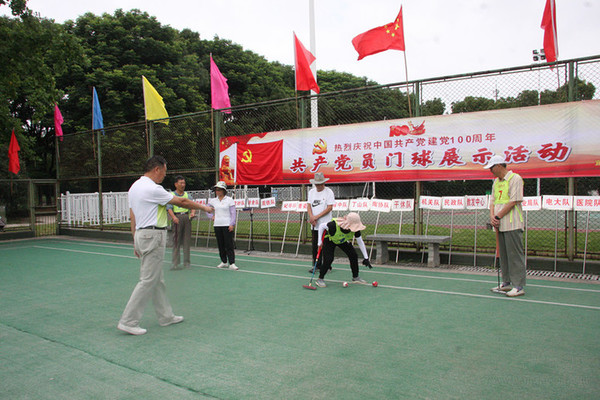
[
  {"x": 352, "y": 222},
  {"x": 495, "y": 160},
  {"x": 319, "y": 179}
]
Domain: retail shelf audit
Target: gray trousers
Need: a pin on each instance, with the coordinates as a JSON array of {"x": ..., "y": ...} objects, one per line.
[
  {"x": 512, "y": 257},
  {"x": 150, "y": 245},
  {"x": 182, "y": 238}
]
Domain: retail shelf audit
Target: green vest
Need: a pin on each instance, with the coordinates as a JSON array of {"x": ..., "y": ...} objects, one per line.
[
  {"x": 161, "y": 216},
  {"x": 339, "y": 237},
  {"x": 501, "y": 195},
  {"x": 177, "y": 209}
]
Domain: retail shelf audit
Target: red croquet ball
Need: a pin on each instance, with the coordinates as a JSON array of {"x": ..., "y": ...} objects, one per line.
[{"x": 375, "y": 283}]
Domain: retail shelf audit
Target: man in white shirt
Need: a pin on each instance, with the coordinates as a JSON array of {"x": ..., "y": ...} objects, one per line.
[
  {"x": 320, "y": 205},
  {"x": 148, "y": 214}
]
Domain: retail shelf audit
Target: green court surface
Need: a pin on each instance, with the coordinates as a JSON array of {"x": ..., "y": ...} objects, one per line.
[{"x": 257, "y": 334}]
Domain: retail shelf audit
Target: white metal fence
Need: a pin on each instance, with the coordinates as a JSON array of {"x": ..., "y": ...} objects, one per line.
[{"x": 81, "y": 209}]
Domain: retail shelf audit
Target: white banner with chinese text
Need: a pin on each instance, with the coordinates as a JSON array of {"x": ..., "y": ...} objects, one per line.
[{"x": 557, "y": 140}]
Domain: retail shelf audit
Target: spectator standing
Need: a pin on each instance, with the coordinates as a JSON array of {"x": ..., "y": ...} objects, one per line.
[
  {"x": 320, "y": 205},
  {"x": 182, "y": 226},
  {"x": 506, "y": 216},
  {"x": 224, "y": 225}
]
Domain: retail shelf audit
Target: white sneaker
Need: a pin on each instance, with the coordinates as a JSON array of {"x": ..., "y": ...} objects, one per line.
[
  {"x": 233, "y": 267},
  {"x": 222, "y": 265},
  {"x": 175, "y": 320},
  {"x": 502, "y": 287},
  {"x": 132, "y": 330},
  {"x": 359, "y": 280},
  {"x": 515, "y": 292},
  {"x": 320, "y": 283}
]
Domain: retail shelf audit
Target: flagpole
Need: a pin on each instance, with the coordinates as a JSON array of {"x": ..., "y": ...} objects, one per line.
[
  {"x": 212, "y": 125},
  {"x": 93, "y": 138},
  {"x": 296, "y": 81},
  {"x": 554, "y": 34},
  {"x": 145, "y": 117},
  {"x": 212, "y": 110},
  {"x": 407, "y": 88},
  {"x": 314, "y": 101},
  {"x": 297, "y": 111}
]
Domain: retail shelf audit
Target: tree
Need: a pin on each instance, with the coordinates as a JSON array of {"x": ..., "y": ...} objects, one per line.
[
  {"x": 582, "y": 91},
  {"x": 470, "y": 104},
  {"x": 17, "y": 7},
  {"x": 28, "y": 86},
  {"x": 433, "y": 107}
]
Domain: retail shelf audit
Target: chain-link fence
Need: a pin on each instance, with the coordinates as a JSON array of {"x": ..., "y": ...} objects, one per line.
[
  {"x": 28, "y": 208},
  {"x": 111, "y": 160},
  {"x": 14, "y": 205}
]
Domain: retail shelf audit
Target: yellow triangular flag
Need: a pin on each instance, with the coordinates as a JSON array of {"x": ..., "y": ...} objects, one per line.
[{"x": 153, "y": 103}]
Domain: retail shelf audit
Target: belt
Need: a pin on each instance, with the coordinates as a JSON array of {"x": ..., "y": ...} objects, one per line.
[
  {"x": 179, "y": 213},
  {"x": 154, "y": 227}
]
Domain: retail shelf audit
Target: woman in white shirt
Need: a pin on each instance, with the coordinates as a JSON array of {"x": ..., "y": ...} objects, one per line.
[{"x": 224, "y": 224}]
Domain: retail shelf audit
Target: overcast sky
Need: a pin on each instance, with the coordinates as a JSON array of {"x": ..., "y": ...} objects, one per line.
[{"x": 443, "y": 37}]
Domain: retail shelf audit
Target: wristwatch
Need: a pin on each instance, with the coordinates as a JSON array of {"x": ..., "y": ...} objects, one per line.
[{"x": 497, "y": 217}]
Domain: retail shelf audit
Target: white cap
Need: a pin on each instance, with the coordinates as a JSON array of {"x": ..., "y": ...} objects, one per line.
[{"x": 494, "y": 161}]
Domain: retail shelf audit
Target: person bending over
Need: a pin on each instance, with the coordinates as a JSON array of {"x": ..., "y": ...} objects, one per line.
[{"x": 340, "y": 232}]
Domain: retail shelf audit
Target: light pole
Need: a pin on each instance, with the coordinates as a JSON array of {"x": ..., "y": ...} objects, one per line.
[{"x": 539, "y": 56}]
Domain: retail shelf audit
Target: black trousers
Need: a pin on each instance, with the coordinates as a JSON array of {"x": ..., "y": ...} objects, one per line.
[
  {"x": 328, "y": 253},
  {"x": 225, "y": 243}
]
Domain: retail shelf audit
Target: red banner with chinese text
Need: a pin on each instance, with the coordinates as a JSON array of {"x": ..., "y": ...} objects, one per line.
[{"x": 558, "y": 140}]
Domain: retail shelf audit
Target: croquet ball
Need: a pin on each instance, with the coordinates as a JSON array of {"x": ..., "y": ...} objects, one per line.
[
  {"x": 375, "y": 283},
  {"x": 345, "y": 284}
]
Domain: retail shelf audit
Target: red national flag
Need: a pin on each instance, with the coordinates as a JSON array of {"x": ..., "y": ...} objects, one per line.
[
  {"x": 58, "y": 120},
  {"x": 387, "y": 37},
  {"x": 304, "y": 76},
  {"x": 550, "y": 35},
  {"x": 260, "y": 163},
  {"x": 13, "y": 155}
]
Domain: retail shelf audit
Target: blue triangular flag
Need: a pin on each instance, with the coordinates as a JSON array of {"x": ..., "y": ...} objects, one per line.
[{"x": 97, "y": 121}]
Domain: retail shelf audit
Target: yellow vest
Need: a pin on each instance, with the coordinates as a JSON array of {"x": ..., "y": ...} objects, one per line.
[
  {"x": 501, "y": 195},
  {"x": 339, "y": 237},
  {"x": 177, "y": 209},
  {"x": 161, "y": 216}
]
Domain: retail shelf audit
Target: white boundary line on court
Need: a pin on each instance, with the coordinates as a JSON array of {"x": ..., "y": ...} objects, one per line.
[
  {"x": 371, "y": 271},
  {"x": 339, "y": 281},
  {"x": 249, "y": 258}
]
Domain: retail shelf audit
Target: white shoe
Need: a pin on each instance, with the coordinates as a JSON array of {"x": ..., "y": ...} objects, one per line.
[
  {"x": 515, "y": 292},
  {"x": 222, "y": 265},
  {"x": 501, "y": 288},
  {"x": 233, "y": 267},
  {"x": 132, "y": 330},
  {"x": 175, "y": 320},
  {"x": 320, "y": 283}
]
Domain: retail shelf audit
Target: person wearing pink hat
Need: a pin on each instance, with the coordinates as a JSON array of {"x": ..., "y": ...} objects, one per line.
[{"x": 340, "y": 232}]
